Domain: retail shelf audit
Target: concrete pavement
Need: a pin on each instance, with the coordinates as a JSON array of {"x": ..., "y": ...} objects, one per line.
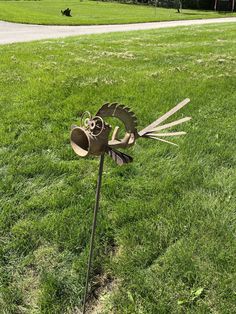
[{"x": 15, "y": 32}]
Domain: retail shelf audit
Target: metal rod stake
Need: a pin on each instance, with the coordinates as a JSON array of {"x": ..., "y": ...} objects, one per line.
[{"x": 99, "y": 182}]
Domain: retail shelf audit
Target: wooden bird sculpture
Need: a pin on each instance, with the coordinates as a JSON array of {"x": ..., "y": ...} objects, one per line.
[{"x": 92, "y": 138}]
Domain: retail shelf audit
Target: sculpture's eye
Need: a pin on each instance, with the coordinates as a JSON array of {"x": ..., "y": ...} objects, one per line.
[
  {"x": 86, "y": 122},
  {"x": 92, "y": 124},
  {"x": 85, "y": 119},
  {"x": 96, "y": 125}
]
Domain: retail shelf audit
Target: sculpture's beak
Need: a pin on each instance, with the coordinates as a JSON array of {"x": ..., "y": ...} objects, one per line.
[{"x": 80, "y": 141}]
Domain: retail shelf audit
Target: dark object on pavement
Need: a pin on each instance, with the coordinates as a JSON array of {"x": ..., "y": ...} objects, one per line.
[{"x": 66, "y": 12}]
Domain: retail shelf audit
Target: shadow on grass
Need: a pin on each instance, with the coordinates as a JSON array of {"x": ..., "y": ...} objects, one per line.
[
  {"x": 206, "y": 13},
  {"x": 224, "y": 12},
  {"x": 188, "y": 13}
]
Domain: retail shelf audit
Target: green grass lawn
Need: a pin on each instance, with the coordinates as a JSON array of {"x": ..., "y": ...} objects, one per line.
[
  {"x": 91, "y": 12},
  {"x": 166, "y": 228}
]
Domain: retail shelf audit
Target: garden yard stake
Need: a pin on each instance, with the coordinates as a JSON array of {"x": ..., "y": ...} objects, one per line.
[{"x": 92, "y": 138}]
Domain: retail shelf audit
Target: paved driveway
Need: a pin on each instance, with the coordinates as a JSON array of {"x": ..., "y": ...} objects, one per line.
[{"x": 15, "y": 32}]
